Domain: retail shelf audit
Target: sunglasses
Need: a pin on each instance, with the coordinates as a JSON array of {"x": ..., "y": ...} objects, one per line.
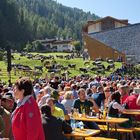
[{"x": 107, "y": 91}]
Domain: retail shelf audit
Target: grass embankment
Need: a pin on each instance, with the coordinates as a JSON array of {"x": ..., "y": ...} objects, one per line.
[{"x": 25, "y": 61}]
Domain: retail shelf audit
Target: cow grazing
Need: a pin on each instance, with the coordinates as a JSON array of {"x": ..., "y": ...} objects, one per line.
[
  {"x": 54, "y": 70},
  {"x": 72, "y": 65},
  {"x": 60, "y": 56},
  {"x": 93, "y": 63},
  {"x": 98, "y": 59},
  {"x": 87, "y": 63},
  {"x": 39, "y": 68},
  {"x": 85, "y": 70},
  {"x": 64, "y": 68},
  {"x": 101, "y": 71},
  {"x": 46, "y": 63},
  {"x": 93, "y": 68},
  {"x": 110, "y": 66},
  {"x": 110, "y": 61},
  {"x": 101, "y": 66}
]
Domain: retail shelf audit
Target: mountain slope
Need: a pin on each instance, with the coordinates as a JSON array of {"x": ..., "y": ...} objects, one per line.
[
  {"x": 23, "y": 21},
  {"x": 48, "y": 18}
]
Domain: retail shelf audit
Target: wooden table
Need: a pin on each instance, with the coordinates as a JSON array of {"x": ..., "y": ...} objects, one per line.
[
  {"x": 82, "y": 133},
  {"x": 132, "y": 111},
  {"x": 99, "y": 138},
  {"x": 108, "y": 120}
]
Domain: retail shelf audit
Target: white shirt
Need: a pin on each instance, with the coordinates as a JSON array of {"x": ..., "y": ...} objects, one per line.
[{"x": 117, "y": 106}]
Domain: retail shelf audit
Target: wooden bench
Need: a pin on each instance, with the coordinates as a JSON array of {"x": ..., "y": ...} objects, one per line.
[
  {"x": 122, "y": 130},
  {"x": 136, "y": 129},
  {"x": 99, "y": 138}
]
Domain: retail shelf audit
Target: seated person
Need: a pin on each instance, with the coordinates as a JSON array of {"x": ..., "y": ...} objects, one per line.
[
  {"x": 132, "y": 100},
  {"x": 56, "y": 111},
  {"x": 115, "y": 107},
  {"x": 53, "y": 127},
  {"x": 82, "y": 104},
  {"x": 68, "y": 101},
  {"x": 99, "y": 96},
  {"x": 114, "y": 110},
  {"x": 56, "y": 96}
]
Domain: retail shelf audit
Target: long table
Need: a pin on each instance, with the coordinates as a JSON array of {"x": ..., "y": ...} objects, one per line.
[
  {"x": 132, "y": 111},
  {"x": 108, "y": 120}
]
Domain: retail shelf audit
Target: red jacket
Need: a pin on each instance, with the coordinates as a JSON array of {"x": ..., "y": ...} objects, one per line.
[
  {"x": 26, "y": 121},
  {"x": 131, "y": 102}
]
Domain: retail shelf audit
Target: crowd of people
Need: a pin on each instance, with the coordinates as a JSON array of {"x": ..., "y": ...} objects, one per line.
[{"x": 40, "y": 110}]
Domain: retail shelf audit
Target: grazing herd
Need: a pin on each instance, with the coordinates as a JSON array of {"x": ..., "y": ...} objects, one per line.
[{"x": 50, "y": 64}]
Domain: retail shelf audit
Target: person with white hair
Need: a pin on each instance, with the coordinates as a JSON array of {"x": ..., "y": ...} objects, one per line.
[
  {"x": 68, "y": 101},
  {"x": 46, "y": 94}
]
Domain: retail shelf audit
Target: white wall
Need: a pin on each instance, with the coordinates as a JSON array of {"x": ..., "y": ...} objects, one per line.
[
  {"x": 118, "y": 24},
  {"x": 94, "y": 27},
  {"x": 63, "y": 47}
]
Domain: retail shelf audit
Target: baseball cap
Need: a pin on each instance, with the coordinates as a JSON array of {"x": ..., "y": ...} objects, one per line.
[{"x": 8, "y": 96}]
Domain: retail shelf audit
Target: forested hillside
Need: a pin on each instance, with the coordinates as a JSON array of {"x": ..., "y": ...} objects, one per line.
[
  {"x": 12, "y": 29},
  {"x": 28, "y": 20},
  {"x": 49, "y": 18}
]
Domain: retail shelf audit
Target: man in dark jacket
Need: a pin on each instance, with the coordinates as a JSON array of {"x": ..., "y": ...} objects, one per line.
[{"x": 53, "y": 127}]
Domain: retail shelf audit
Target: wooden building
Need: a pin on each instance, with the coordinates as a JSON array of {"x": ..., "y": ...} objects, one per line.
[
  {"x": 53, "y": 45},
  {"x": 106, "y": 23},
  {"x": 97, "y": 48}
]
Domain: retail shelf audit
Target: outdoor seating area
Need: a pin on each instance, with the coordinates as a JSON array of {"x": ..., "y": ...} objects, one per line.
[
  {"x": 69, "y": 70},
  {"x": 88, "y": 107}
]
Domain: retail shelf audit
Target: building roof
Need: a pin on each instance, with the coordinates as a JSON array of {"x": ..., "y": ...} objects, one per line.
[
  {"x": 123, "y": 21},
  {"x": 62, "y": 41},
  {"x": 91, "y": 22},
  {"x": 54, "y": 41},
  {"x": 48, "y": 40}
]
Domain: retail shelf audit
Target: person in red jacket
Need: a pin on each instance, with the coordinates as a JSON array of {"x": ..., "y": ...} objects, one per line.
[
  {"x": 132, "y": 101},
  {"x": 26, "y": 119}
]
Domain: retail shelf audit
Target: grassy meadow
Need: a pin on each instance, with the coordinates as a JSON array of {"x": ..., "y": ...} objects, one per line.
[{"x": 25, "y": 61}]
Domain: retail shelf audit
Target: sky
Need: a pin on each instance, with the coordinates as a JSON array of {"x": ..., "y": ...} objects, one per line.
[{"x": 120, "y": 9}]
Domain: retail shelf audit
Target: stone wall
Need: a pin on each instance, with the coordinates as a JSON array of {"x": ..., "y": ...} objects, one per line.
[
  {"x": 97, "y": 49},
  {"x": 124, "y": 39}
]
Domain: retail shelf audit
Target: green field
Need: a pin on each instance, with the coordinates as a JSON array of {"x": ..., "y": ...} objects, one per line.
[{"x": 25, "y": 61}]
